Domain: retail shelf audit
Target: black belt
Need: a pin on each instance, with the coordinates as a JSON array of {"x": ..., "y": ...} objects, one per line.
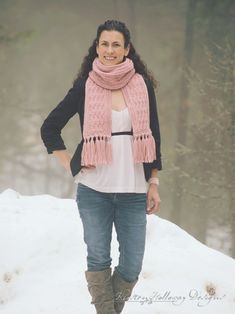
[{"x": 122, "y": 133}]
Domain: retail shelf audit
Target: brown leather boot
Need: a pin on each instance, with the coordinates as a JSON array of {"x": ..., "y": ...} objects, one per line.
[
  {"x": 122, "y": 291},
  {"x": 100, "y": 288}
]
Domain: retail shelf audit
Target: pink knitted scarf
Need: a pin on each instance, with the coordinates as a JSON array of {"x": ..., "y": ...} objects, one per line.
[{"x": 97, "y": 127}]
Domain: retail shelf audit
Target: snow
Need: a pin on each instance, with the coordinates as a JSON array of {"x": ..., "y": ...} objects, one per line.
[{"x": 43, "y": 259}]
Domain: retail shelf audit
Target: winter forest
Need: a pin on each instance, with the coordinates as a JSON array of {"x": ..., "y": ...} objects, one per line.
[{"x": 189, "y": 45}]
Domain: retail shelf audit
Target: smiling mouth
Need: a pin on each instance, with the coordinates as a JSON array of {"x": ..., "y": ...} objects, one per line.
[{"x": 109, "y": 58}]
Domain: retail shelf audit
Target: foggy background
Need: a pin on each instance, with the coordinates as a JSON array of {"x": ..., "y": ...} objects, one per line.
[{"x": 190, "y": 47}]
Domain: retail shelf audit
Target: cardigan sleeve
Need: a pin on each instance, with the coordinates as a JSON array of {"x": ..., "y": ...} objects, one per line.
[
  {"x": 154, "y": 125},
  {"x": 58, "y": 118}
]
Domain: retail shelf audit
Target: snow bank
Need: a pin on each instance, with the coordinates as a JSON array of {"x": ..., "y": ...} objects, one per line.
[{"x": 43, "y": 259}]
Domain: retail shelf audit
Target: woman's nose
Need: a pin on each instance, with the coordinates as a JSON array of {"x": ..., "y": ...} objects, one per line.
[{"x": 110, "y": 48}]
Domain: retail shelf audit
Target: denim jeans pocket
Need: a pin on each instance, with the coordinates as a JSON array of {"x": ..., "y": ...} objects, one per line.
[
  {"x": 85, "y": 193},
  {"x": 80, "y": 187}
]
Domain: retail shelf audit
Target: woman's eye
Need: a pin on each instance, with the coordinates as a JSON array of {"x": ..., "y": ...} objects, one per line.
[{"x": 114, "y": 45}]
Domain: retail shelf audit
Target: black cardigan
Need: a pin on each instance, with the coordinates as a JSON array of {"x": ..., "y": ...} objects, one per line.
[{"x": 74, "y": 103}]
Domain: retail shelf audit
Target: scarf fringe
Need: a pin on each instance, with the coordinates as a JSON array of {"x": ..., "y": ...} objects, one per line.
[
  {"x": 96, "y": 150},
  {"x": 144, "y": 148}
]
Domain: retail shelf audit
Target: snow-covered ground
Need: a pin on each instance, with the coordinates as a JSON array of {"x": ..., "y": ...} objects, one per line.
[{"x": 43, "y": 259}]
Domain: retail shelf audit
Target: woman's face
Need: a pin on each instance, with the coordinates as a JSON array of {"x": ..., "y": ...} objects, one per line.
[{"x": 110, "y": 48}]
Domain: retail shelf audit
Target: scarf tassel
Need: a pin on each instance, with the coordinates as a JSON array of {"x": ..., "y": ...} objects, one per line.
[
  {"x": 144, "y": 148},
  {"x": 96, "y": 150}
]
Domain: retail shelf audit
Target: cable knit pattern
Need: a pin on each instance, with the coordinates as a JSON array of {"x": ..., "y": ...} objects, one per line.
[{"x": 98, "y": 112}]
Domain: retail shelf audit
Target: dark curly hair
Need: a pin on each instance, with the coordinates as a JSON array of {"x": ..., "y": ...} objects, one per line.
[{"x": 140, "y": 66}]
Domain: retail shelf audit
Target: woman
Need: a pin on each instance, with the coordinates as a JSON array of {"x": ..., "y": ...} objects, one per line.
[{"x": 115, "y": 164}]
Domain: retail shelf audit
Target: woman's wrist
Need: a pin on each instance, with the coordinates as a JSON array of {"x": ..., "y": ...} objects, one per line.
[
  {"x": 67, "y": 164},
  {"x": 153, "y": 180}
]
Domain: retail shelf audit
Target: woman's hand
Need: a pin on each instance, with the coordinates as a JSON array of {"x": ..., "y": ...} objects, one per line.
[
  {"x": 153, "y": 199},
  {"x": 64, "y": 158},
  {"x": 89, "y": 167}
]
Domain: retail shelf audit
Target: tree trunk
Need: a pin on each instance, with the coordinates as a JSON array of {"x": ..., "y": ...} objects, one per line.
[{"x": 183, "y": 112}]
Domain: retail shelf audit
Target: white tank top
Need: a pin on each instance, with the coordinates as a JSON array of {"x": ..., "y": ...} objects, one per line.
[{"x": 122, "y": 175}]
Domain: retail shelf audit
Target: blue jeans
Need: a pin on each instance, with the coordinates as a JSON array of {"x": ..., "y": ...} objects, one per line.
[{"x": 98, "y": 211}]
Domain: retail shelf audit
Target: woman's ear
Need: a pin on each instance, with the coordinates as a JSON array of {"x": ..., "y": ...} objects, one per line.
[
  {"x": 127, "y": 50},
  {"x": 96, "y": 47}
]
